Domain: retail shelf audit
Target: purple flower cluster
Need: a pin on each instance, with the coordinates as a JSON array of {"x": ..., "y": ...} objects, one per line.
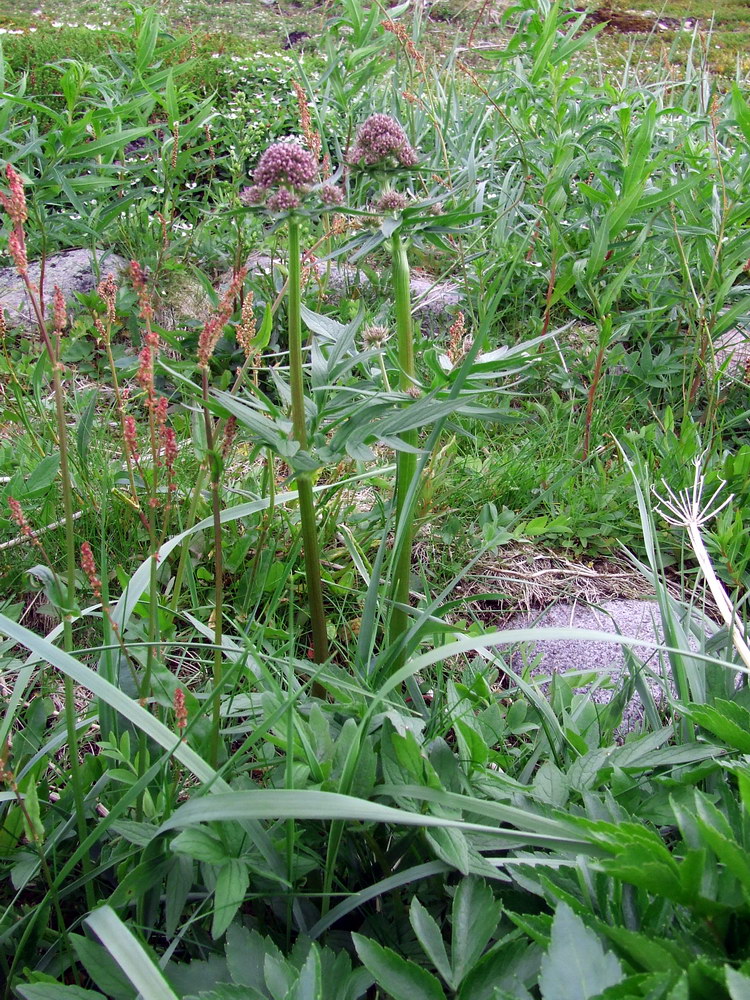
[
  {"x": 282, "y": 200},
  {"x": 391, "y": 201},
  {"x": 284, "y": 174},
  {"x": 285, "y": 163},
  {"x": 381, "y": 141}
]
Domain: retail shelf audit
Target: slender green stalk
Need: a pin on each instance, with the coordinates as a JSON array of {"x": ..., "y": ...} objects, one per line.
[
  {"x": 70, "y": 572},
  {"x": 406, "y": 463},
  {"x": 214, "y": 460},
  {"x": 304, "y": 481}
]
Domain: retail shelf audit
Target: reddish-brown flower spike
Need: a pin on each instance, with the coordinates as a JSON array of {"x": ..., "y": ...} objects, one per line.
[
  {"x": 138, "y": 277},
  {"x": 107, "y": 292},
  {"x": 17, "y": 250},
  {"x": 15, "y": 202},
  {"x": 246, "y": 328},
  {"x": 285, "y": 163},
  {"x": 180, "y": 709},
  {"x": 130, "y": 432},
  {"x": 18, "y": 516},
  {"x": 170, "y": 456},
  {"x": 59, "y": 310},
  {"x": 88, "y": 565},
  {"x": 212, "y": 330},
  {"x": 145, "y": 376}
]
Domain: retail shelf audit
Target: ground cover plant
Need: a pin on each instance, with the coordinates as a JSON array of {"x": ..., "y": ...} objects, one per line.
[{"x": 261, "y": 733}]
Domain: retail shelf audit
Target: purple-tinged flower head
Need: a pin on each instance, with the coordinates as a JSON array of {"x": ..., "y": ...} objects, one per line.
[
  {"x": 375, "y": 336},
  {"x": 254, "y": 195},
  {"x": 331, "y": 194},
  {"x": 282, "y": 201},
  {"x": 381, "y": 141},
  {"x": 286, "y": 163},
  {"x": 391, "y": 201}
]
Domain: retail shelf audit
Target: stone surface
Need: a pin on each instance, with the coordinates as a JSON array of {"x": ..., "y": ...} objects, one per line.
[
  {"x": 73, "y": 270},
  {"x": 636, "y": 619},
  {"x": 433, "y": 303}
]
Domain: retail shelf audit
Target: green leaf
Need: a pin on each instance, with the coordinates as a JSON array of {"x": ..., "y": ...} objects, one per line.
[
  {"x": 475, "y": 915},
  {"x": 102, "y": 968},
  {"x": 201, "y": 845},
  {"x": 43, "y": 475},
  {"x": 130, "y": 955},
  {"x": 309, "y": 986},
  {"x": 576, "y": 966},
  {"x": 56, "y": 991},
  {"x": 229, "y": 895},
  {"x": 396, "y": 975},
  {"x": 737, "y": 984},
  {"x": 246, "y": 952},
  {"x": 428, "y": 934}
]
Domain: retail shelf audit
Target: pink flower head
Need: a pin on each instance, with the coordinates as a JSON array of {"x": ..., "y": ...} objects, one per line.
[
  {"x": 254, "y": 195},
  {"x": 282, "y": 201},
  {"x": 391, "y": 201},
  {"x": 381, "y": 141},
  {"x": 285, "y": 163},
  {"x": 331, "y": 194},
  {"x": 15, "y": 202}
]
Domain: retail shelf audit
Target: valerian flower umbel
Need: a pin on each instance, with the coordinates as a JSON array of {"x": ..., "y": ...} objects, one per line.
[
  {"x": 285, "y": 177},
  {"x": 382, "y": 142}
]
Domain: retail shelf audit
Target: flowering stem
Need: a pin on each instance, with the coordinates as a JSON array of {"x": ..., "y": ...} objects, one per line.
[
  {"x": 70, "y": 572},
  {"x": 304, "y": 482},
  {"x": 406, "y": 462},
  {"x": 214, "y": 461}
]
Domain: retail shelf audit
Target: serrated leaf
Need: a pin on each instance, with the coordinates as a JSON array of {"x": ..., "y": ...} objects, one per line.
[
  {"x": 246, "y": 951},
  {"x": 403, "y": 979},
  {"x": 428, "y": 934},
  {"x": 576, "y": 966},
  {"x": 475, "y": 917}
]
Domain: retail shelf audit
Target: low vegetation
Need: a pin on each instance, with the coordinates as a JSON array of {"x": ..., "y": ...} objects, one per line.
[{"x": 372, "y": 319}]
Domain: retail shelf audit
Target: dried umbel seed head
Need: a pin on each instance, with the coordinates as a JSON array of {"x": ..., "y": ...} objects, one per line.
[
  {"x": 381, "y": 141},
  {"x": 375, "y": 336},
  {"x": 332, "y": 194},
  {"x": 283, "y": 200},
  {"x": 285, "y": 163},
  {"x": 254, "y": 195},
  {"x": 391, "y": 201}
]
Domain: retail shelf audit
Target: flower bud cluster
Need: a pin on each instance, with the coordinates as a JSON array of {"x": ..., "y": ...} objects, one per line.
[
  {"x": 284, "y": 175},
  {"x": 382, "y": 142}
]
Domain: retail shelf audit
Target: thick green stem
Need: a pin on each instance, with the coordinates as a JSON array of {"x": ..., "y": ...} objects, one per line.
[
  {"x": 406, "y": 463},
  {"x": 304, "y": 483}
]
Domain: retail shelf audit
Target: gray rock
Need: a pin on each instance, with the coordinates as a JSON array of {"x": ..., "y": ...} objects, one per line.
[
  {"x": 433, "y": 302},
  {"x": 73, "y": 270},
  {"x": 636, "y": 619}
]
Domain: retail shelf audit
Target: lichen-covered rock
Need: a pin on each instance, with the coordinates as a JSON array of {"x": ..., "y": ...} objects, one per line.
[{"x": 72, "y": 270}]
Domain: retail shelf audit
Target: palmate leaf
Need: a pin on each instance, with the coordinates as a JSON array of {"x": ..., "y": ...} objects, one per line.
[{"x": 576, "y": 966}]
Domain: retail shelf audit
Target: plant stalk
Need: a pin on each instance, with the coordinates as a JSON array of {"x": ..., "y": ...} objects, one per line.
[
  {"x": 308, "y": 522},
  {"x": 406, "y": 462}
]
